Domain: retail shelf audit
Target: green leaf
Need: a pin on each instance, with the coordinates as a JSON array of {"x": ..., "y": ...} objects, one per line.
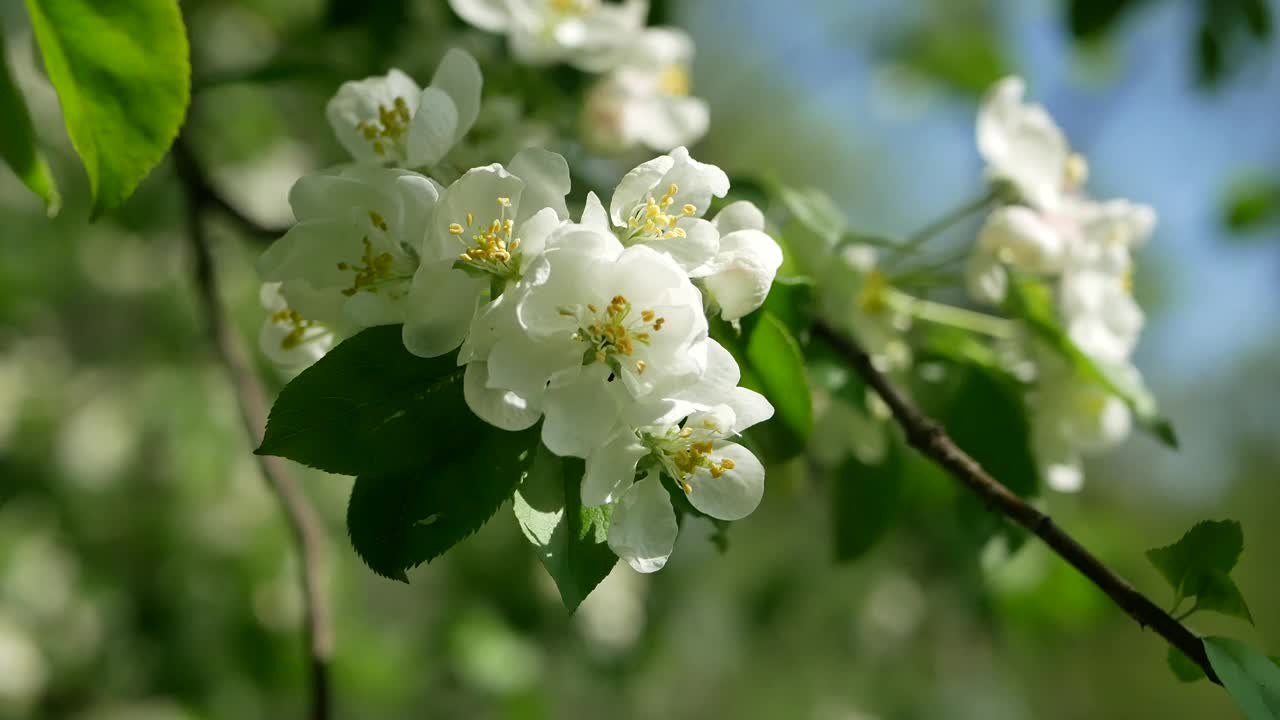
[
  {"x": 1208, "y": 547},
  {"x": 985, "y": 415},
  {"x": 865, "y": 503},
  {"x": 1032, "y": 301},
  {"x": 123, "y": 77},
  {"x": 18, "y": 140},
  {"x": 1252, "y": 204},
  {"x": 1216, "y": 591},
  {"x": 370, "y": 406},
  {"x": 1183, "y": 667},
  {"x": 791, "y": 301},
  {"x": 772, "y": 365},
  {"x": 399, "y": 520},
  {"x": 571, "y": 540},
  {"x": 1251, "y": 678}
]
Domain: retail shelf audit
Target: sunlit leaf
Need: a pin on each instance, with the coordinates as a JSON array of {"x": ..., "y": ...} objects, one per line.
[
  {"x": 18, "y": 144},
  {"x": 569, "y": 539},
  {"x": 123, "y": 78}
]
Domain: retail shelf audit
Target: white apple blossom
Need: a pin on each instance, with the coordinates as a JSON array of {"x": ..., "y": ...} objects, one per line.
[
  {"x": 588, "y": 34},
  {"x": 351, "y": 256},
  {"x": 690, "y": 441},
  {"x": 746, "y": 263},
  {"x": 390, "y": 120},
  {"x": 661, "y": 203},
  {"x": 645, "y": 100},
  {"x": 1019, "y": 238},
  {"x": 486, "y": 226},
  {"x": 596, "y": 332},
  {"x": 853, "y": 295},
  {"x": 1024, "y": 147},
  {"x": 1071, "y": 417},
  {"x": 288, "y": 339}
]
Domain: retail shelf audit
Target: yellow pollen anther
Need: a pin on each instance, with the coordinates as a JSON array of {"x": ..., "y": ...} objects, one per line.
[
  {"x": 504, "y": 202},
  {"x": 686, "y": 487},
  {"x": 726, "y": 463},
  {"x": 641, "y": 365},
  {"x": 689, "y": 209},
  {"x": 455, "y": 229},
  {"x": 674, "y": 80},
  {"x": 391, "y": 125}
]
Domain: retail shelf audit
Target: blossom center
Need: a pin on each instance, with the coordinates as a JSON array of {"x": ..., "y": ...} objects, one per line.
[
  {"x": 388, "y": 129},
  {"x": 685, "y": 450},
  {"x": 299, "y": 328},
  {"x": 568, "y": 7},
  {"x": 656, "y": 220},
  {"x": 673, "y": 80},
  {"x": 611, "y": 334},
  {"x": 489, "y": 248},
  {"x": 374, "y": 269}
]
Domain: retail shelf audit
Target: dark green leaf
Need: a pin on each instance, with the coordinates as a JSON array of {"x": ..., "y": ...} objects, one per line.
[
  {"x": 1208, "y": 547},
  {"x": 399, "y": 520},
  {"x": 1032, "y": 301},
  {"x": 370, "y": 406},
  {"x": 1218, "y": 592},
  {"x": 123, "y": 79},
  {"x": 1251, "y": 205},
  {"x": 18, "y": 140},
  {"x": 571, "y": 540},
  {"x": 985, "y": 415},
  {"x": 1092, "y": 18},
  {"x": 865, "y": 503},
  {"x": 1252, "y": 680},
  {"x": 1183, "y": 667}
]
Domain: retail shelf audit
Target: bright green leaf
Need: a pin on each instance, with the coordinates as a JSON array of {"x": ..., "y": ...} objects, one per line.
[
  {"x": 571, "y": 540},
  {"x": 791, "y": 301},
  {"x": 865, "y": 503},
  {"x": 399, "y": 520},
  {"x": 1032, "y": 301},
  {"x": 1251, "y": 678},
  {"x": 1211, "y": 545},
  {"x": 772, "y": 365},
  {"x": 123, "y": 77},
  {"x": 1183, "y": 667},
  {"x": 18, "y": 140},
  {"x": 1252, "y": 204},
  {"x": 1216, "y": 591},
  {"x": 370, "y": 406}
]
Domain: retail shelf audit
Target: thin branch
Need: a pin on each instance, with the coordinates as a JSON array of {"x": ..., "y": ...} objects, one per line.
[
  {"x": 920, "y": 237},
  {"x": 304, "y": 523},
  {"x": 203, "y": 187},
  {"x": 927, "y": 436}
]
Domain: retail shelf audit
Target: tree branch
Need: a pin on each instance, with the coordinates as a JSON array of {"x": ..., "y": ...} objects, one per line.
[
  {"x": 926, "y": 435},
  {"x": 304, "y": 523}
]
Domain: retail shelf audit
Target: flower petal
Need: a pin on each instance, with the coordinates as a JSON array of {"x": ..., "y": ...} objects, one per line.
[
  {"x": 439, "y": 309},
  {"x": 433, "y": 128},
  {"x": 580, "y": 415},
  {"x": 546, "y": 182},
  {"x": 643, "y": 529},
  {"x": 501, "y": 408},
  {"x": 611, "y": 468},
  {"x": 458, "y": 75},
  {"x": 738, "y": 490}
]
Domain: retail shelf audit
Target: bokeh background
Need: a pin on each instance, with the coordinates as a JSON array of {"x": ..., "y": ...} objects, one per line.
[{"x": 145, "y": 571}]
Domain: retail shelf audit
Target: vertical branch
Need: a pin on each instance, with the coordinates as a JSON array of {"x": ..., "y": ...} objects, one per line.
[
  {"x": 304, "y": 523},
  {"x": 926, "y": 435}
]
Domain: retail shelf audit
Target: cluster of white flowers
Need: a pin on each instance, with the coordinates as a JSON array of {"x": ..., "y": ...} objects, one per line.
[
  {"x": 1054, "y": 231},
  {"x": 642, "y": 97},
  {"x": 596, "y": 327}
]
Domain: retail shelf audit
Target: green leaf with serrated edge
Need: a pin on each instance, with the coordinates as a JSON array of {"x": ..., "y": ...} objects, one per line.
[
  {"x": 1251, "y": 678},
  {"x": 865, "y": 500},
  {"x": 1216, "y": 591},
  {"x": 1031, "y": 301},
  {"x": 1210, "y": 546},
  {"x": 399, "y": 520},
  {"x": 123, "y": 78},
  {"x": 571, "y": 541},
  {"x": 1183, "y": 667},
  {"x": 370, "y": 406},
  {"x": 18, "y": 140}
]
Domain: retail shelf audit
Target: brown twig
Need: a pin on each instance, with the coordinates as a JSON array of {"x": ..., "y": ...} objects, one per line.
[
  {"x": 926, "y": 435},
  {"x": 304, "y": 523}
]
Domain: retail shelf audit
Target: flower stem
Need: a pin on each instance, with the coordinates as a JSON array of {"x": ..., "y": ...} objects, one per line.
[
  {"x": 950, "y": 315},
  {"x": 928, "y": 232}
]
